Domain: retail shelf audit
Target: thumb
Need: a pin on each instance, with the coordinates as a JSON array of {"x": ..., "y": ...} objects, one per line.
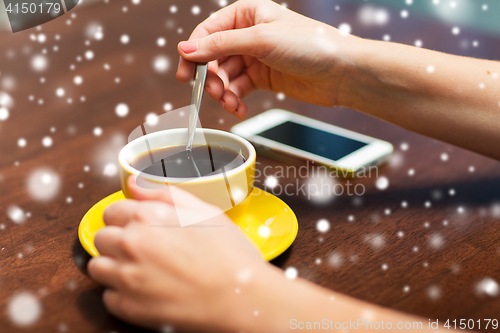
[
  {"x": 246, "y": 41},
  {"x": 142, "y": 194}
]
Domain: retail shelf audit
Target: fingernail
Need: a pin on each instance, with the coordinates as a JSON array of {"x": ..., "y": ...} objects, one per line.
[
  {"x": 223, "y": 103},
  {"x": 189, "y": 46}
]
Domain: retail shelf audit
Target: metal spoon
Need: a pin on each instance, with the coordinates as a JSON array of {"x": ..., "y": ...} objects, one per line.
[{"x": 196, "y": 96}]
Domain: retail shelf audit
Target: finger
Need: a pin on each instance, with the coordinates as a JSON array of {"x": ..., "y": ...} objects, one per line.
[
  {"x": 246, "y": 41},
  {"x": 104, "y": 270},
  {"x": 141, "y": 311},
  {"x": 224, "y": 19},
  {"x": 229, "y": 101},
  {"x": 242, "y": 86},
  {"x": 242, "y": 110},
  {"x": 185, "y": 70},
  {"x": 108, "y": 242},
  {"x": 214, "y": 84},
  {"x": 113, "y": 302},
  {"x": 232, "y": 67},
  {"x": 120, "y": 213}
]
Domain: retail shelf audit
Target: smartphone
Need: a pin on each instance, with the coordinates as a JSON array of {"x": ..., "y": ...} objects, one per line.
[{"x": 281, "y": 131}]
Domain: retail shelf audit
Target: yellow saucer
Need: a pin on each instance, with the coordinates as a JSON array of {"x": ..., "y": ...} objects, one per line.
[{"x": 268, "y": 222}]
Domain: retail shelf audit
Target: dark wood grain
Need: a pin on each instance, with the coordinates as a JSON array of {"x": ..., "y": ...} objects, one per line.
[{"x": 43, "y": 256}]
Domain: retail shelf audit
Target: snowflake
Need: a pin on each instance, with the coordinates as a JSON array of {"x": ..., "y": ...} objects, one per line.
[
  {"x": 122, "y": 110},
  {"x": 152, "y": 119},
  {"x": 434, "y": 292},
  {"x": 167, "y": 107},
  {"x": 487, "y": 286},
  {"x": 271, "y": 182},
  {"x": 60, "y": 92},
  {"x": 47, "y": 141},
  {"x": 382, "y": 183},
  {"x": 124, "y": 39},
  {"x": 6, "y": 100},
  {"x": 16, "y": 214},
  {"x": 291, "y": 273},
  {"x": 4, "y": 114},
  {"x": 323, "y": 225},
  {"x": 43, "y": 184},
  {"x": 436, "y": 241},
  {"x": 335, "y": 260},
  {"x": 161, "y": 64},
  {"x": 39, "y": 63},
  {"x": 195, "y": 10},
  {"x": 89, "y": 55},
  {"x": 22, "y": 142},
  {"x": 97, "y": 131},
  {"x": 369, "y": 15},
  {"x": 24, "y": 309},
  {"x": 161, "y": 42},
  {"x": 264, "y": 231},
  {"x": 376, "y": 241},
  {"x": 345, "y": 28},
  {"x": 41, "y": 38},
  {"x": 78, "y": 80}
]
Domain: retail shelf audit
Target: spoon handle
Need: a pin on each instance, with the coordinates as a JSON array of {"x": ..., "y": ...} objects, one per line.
[{"x": 198, "y": 86}]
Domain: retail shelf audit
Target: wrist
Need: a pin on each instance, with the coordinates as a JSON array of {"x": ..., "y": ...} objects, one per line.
[
  {"x": 270, "y": 302},
  {"x": 358, "y": 52}
]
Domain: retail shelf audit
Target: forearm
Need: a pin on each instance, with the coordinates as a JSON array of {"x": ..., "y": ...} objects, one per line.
[
  {"x": 275, "y": 304},
  {"x": 451, "y": 98}
]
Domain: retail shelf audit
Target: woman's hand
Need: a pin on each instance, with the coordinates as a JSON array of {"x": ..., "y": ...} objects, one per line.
[
  {"x": 158, "y": 273},
  {"x": 258, "y": 44}
]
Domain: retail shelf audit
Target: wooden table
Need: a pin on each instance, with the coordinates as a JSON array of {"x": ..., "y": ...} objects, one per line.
[{"x": 432, "y": 267}]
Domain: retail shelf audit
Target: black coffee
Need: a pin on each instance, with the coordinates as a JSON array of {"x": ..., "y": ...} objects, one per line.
[{"x": 175, "y": 161}]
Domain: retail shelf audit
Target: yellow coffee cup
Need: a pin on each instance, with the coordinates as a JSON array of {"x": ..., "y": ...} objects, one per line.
[{"x": 226, "y": 190}]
